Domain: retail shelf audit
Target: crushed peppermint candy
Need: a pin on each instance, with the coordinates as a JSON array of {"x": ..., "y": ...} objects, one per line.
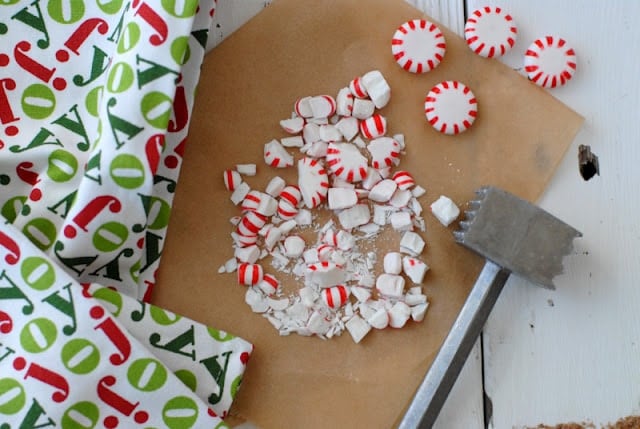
[{"x": 322, "y": 229}]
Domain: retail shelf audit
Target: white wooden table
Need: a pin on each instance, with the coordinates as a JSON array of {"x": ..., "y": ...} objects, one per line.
[{"x": 570, "y": 355}]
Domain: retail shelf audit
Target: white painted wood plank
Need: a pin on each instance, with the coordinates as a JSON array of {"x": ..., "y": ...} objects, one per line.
[
  {"x": 464, "y": 407},
  {"x": 572, "y": 354}
]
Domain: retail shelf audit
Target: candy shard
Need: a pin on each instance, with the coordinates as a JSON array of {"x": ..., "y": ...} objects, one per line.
[
  {"x": 276, "y": 155},
  {"x": 325, "y": 274},
  {"x": 392, "y": 263},
  {"x": 414, "y": 268},
  {"x": 390, "y": 285},
  {"x": 411, "y": 243},
  {"x": 348, "y": 127},
  {"x": 377, "y": 87},
  {"x": 302, "y": 107},
  {"x": 322, "y": 106},
  {"x": 358, "y": 328},
  {"x": 384, "y": 151},
  {"x": 275, "y": 186},
  {"x": 313, "y": 181},
  {"x": 354, "y": 216},
  {"x": 247, "y": 169},
  {"x": 445, "y": 210},
  {"x": 293, "y": 125},
  {"x": 374, "y": 126},
  {"x": 379, "y": 319},
  {"x": 231, "y": 179},
  {"x": 362, "y": 109},
  {"x": 342, "y": 198},
  {"x": 399, "y": 314},
  {"x": 344, "y": 102},
  {"x": 346, "y": 162},
  {"x": 383, "y": 191}
]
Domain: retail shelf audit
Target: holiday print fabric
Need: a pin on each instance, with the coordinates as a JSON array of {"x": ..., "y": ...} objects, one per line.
[
  {"x": 82, "y": 356},
  {"x": 95, "y": 102}
]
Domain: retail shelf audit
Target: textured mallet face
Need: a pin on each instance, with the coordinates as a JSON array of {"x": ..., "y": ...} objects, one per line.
[{"x": 516, "y": 235}]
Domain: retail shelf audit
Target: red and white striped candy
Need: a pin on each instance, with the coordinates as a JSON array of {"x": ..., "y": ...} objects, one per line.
[
  {"x": 259, "y": 202},
  {"x": 324, "y": 252},
  {"x": 313, "y": 181},
  {"x": 550, "y": 62},
  {"x": 384, "y": 151},
  {"x": 330, "y": 237},
  {"x": 346, "y": 162},
  {"x": 286, "y": 211},
  {"x": 244, "y": 240},
  {"x": 357, "y": 88},
  {"x": 403, "y": 179},
  {"x": 250, "y": 274},
  {"x": 251, "y": 224},
  {"x": 275, "y": 155},
  {"x": 490, "y": 32},
  {"x": 231, "y": 179},
  {"x": 451, "y": 107},
  {"x": 335, "y": 296},
  {"x": 303, "y": 108},
  {"x": 344, "y": 102},
  {"x": 418, "y": 46},
  {"x": 291, "y": 193},
  {"x": 293, "y": 125},
  {"x": 374, "y": 127},
  {"x": 269, "y": 284},
  {"x": 322, "y": 106},
  {"x": 251, "y": 201}
]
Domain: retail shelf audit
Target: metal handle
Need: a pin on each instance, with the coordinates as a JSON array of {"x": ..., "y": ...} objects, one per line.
[{"x": 446, "y": 367}]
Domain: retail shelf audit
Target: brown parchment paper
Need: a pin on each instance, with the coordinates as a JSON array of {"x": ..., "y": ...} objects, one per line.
[{"x": 248, "y": 84}]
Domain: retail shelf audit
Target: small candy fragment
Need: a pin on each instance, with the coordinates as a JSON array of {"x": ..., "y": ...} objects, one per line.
[
  {"x": 550, "y": 62},
  {"x": 342, "y": 198},
  {"x": 361, "y": 293},
  {"x": 336, "y": 296},
  {"x": 325, "y": 274},
  {"x": 295, "y": 141},
  {"x": 244, "y": 240},
  {"x": 344, "y": 102},
  {"x": 401, "y": 221},
  {"x": 399, "y": 314},
  {"x": 256, "y": 301},
  {"x": 286, "y": 210},
  {"x": 259, "y": 202},
  {"x": 490, "y": 32},
  {"x": 390, "y": 285},
  {"x": 275, "y": 186},
  {"x": 232, "y": 179},
  {"x": 418, "y": 312},
  {"x": 392, "y": 263},
  {"x": 275, "y": 155},
  {"x": 445, "y": 210},
  {"x": 358, "y": 328},
  {"x": 293, "y": 125},
  {"x": 294, "y": 246},
  {"x": 241, "y": 191},
  {"x": 362, "y": 109},
  {"x": 374, "y": 126},
  {"x": 308, "y": 296},
  {"x": 384, "y": 151},
  {"x": 248, "y": 254},
  {"x": 403, "y": 179},
  {"x": 302, "y": 107},
  {"x": 411, "y": 243},
  {"x": 377, "y": 87},
  {"x": 346, "y": 162},
  {"x": 322, "y": 106},
  {"x": 291, "y": 194},
  {"x": 269, "y": 284},
  {"x": 345, "y": 241},
  {"x": 418, "y": 46},
  {"x": 450, "y": 107},
  {"x": 250, "y": 274},
  {"x": 348, "y": 127},
  {"x": 313, "y": 181},
  {"x": 400, "y": 198},
  {"x": 383, "y": 191},
  {"x": 379, "y": 319},
  {"x": 357, "y": 88},
  {"x": 251, "y": 223},
  {"x": 354, "y": 216},
  {"x": 418, "y": 191},
  {"x": 247, "y": 169},
  {"x": 318, "y": 324},
  {"x": 329, "y": 133},
  {"x": 372, "y": 178},
  {"x": 414, "y": 268},
  {"x": 311, "y": 133}
]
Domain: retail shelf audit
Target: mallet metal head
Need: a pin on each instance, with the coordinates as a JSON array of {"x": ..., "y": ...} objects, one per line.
[{"x": 516, "y": 235}]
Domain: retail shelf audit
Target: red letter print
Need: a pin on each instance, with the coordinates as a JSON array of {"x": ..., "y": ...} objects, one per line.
[
  {"x": 117, "y": 402},
  {"x": 79, "y": 36},
  {"x": 147, "y": 13},
  {"x": 180, "y": 110},
  {"x": 91, "y": 211},
  {"x": 35, "y": 68},
  {"x": 114, "y": 334},
  {"x": 40, "y": 373},
  {"x": 6, "y": 113},
  {"x": 153, "y": 149},
  {"x": 9, "y": 244}
]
